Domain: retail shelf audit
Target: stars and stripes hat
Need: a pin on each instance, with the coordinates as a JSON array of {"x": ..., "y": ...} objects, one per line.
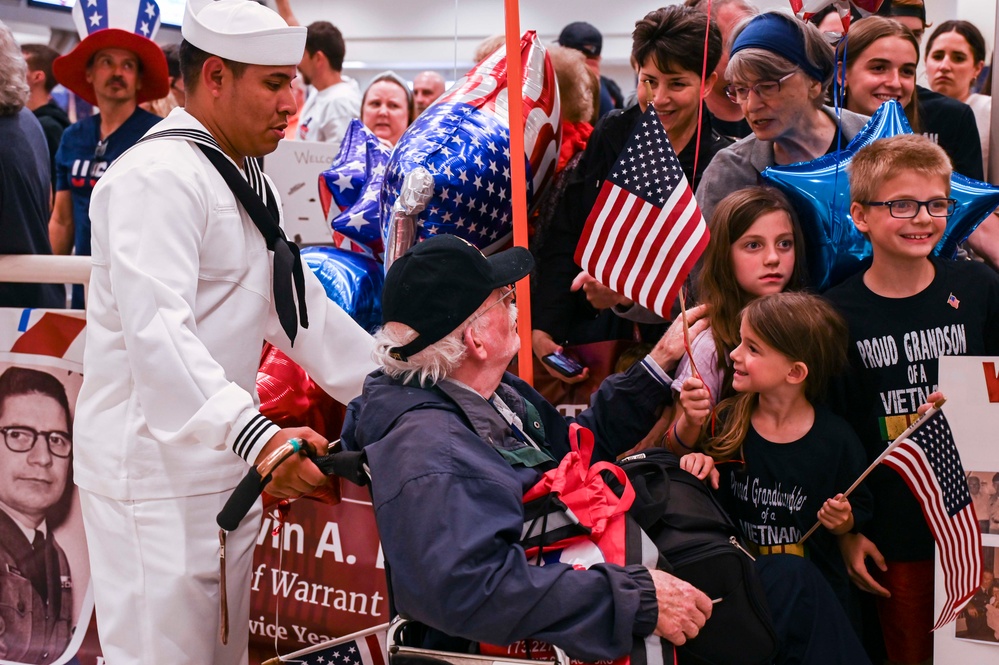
[
  {"x": 243, "y": 31},
  {"x": 124, "y": 24},
  {"x": 440, "y": 282}
]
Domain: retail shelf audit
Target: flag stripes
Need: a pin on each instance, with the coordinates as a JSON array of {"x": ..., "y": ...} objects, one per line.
[
  {"x": 929, "y": 463},
  {"x": 645, "y": 231}
]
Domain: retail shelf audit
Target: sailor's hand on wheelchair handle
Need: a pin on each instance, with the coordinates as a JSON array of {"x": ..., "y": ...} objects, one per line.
[{"x": 297, "y": 475}]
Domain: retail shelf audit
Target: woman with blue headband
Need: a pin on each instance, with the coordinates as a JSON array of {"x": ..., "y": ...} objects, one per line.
[{"x": 779, "y": 71}]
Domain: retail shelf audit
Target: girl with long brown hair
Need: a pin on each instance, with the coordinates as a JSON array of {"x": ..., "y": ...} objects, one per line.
[
  {"x": 756, "y": 248},
  {"x": 790, "y": 455}
]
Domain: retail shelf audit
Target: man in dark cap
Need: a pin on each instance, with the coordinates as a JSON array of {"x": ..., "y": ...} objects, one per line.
[
  {"x": 453, "y": 441},
  {"x": 584, "y": 37},
  {"x": 910, "y": 13}
]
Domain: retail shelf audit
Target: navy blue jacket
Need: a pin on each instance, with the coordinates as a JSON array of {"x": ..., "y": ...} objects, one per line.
[{"x": 447, "y": 495}]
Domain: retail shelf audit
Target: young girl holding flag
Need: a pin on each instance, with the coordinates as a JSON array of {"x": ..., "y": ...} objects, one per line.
[{"x": 790, "y": 454}]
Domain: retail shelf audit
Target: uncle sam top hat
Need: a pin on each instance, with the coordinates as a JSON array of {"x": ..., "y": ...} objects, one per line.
[{"x": 124, "y": 24}]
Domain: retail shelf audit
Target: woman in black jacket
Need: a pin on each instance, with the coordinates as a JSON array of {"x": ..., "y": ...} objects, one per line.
[{"x": 668, "y": 53}]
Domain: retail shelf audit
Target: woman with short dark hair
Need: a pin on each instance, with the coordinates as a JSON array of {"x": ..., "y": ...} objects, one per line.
[{"x": 668, "y": 52}]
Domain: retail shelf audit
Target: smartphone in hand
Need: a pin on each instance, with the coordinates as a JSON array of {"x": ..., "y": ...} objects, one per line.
[{"x": 564, "y": 365}]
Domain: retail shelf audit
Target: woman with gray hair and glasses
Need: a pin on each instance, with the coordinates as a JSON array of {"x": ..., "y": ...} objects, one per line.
[{"x": 779, "y": 71}]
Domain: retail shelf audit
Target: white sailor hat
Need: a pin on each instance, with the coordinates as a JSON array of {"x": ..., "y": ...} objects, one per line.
[{"x": 243, "y": 31}]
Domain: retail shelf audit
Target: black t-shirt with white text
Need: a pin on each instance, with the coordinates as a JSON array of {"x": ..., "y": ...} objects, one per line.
[
  {"x": 893, "y": 368},
  {"x": 775, "y": 497}
]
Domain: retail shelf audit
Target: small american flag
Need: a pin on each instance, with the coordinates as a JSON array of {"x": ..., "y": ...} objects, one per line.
[
  {"x": 645, "y": 231},
  {"x": 929, "y": 462},
  {"x": 363, "y": 648}
]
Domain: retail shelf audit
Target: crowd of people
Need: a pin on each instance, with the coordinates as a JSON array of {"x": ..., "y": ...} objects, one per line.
[{"x": 780, "y": 387}]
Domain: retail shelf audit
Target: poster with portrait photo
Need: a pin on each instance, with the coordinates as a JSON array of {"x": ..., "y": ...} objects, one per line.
[
  {"x": 971, "y": 386},
  {"x": 979, "y": 620},
  {"x": 45, "y": 598}
]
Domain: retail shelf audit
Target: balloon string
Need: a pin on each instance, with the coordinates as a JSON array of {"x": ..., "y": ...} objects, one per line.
[
  {"x": 454, "y": 71},
  {"x": 839, "y": 96},
  {"x": 700, "y": 107}
]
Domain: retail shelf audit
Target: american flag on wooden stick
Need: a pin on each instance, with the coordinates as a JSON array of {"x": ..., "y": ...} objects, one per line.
[
  {"x": 645, "y": 231},
  {"x": 930, "y": 465}
]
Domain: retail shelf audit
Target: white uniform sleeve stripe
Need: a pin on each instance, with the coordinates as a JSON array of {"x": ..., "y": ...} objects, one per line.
[{"x": 250, "y": 434}]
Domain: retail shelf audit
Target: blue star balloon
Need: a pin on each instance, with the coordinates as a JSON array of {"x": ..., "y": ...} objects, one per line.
[
  {"x": 820, "y": 193},
  {"x": 351, "y": 280},
  {"x": 450, "y": 172},
  {"x": 350, "y": 191}
]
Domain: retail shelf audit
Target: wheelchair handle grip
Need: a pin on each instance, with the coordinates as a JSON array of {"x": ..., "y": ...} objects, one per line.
[{"x": 242, "y": 499}]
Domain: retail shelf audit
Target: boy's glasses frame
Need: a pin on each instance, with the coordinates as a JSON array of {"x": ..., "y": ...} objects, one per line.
[{"x": 909, "y": 208}]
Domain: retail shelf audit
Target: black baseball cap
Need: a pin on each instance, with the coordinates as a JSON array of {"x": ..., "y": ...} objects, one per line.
[
  {"x": 583, "y": 37},
  {"x": 440, "y": 282}
]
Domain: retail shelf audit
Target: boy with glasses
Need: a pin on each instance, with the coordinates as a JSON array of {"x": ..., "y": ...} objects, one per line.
[{"x": 904, "y": 312}]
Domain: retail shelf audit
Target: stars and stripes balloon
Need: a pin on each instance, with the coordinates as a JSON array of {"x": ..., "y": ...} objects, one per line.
[
  {"x": 450, "y": 171},
  {"x": 350, "y": 191},
  {"x": 820, "y": 193}
]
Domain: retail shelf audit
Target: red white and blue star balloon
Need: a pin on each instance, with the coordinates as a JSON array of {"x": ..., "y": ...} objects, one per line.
[
  {"x": 450, "y": 171},
  {"x": 350, "y": 191}
]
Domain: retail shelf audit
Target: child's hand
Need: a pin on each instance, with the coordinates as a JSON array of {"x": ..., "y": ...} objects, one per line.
[
  {"x": 856, "y": 548},
  {"x": 701, "y": 466},
  {"x": 836, "y": 514},
  {"x": 930, "y": 401},
  {"x": 695, "y": 400},
  {"x": 598, "y": 295}
]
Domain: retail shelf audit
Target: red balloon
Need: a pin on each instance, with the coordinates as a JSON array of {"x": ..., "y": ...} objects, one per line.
[{"x": 290, "y": 398}]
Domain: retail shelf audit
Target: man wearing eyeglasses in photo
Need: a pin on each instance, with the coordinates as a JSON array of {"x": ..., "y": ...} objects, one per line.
[
  {"x": 36, "y": 590},
  {"x": 116, "y": 67}
]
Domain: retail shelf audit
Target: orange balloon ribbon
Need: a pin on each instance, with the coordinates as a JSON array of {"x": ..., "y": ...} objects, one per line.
[{"x": 518, "y": 183}]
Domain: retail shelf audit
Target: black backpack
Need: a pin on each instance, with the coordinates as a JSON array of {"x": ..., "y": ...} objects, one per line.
[{"x": 704, "y": 548}]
